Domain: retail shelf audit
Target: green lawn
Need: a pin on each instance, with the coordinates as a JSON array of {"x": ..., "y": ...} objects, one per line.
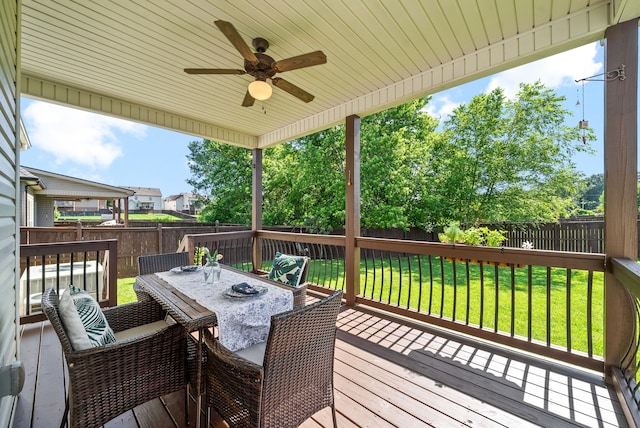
[
  {"x": 125, "y": 291},
  {"x": 160, "y": 217},
  {"x": 485, "y": 301},
  {"x": 394, "y": 284}
]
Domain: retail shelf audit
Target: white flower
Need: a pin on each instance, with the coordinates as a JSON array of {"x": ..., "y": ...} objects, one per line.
[{"x": 527, "y": 245}]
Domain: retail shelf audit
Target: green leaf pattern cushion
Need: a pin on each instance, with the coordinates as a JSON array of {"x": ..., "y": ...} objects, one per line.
[
  {"x": 96, "y": 327},
  {"x": 287, "y": 269}
]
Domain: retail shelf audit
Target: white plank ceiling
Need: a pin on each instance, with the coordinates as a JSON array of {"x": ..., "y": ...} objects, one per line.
[{"x": 126, "y": 57}]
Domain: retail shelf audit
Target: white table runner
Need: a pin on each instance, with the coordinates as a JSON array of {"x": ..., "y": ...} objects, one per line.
[{"x": 242, "y": 322}]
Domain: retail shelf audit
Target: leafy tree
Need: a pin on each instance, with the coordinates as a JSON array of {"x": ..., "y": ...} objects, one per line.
[
  {"x": 494, "y": 160},
  {"x": 396, "y": 147},
  {"x": 223, "y": 173},
  {"x": 589, "y": 199},
  {"x": 305, "y": 179},
  {"x": 501, "y": 159}
]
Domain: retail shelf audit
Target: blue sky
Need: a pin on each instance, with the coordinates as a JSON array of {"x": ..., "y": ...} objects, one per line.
[{"x": 121, "y": 153}]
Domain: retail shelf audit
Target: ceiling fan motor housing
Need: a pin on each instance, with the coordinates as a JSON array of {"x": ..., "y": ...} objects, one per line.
[{"x": 263, "y": 69}]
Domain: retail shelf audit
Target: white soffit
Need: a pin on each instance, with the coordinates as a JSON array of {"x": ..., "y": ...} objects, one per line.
[{"x": 126, "y": 57}]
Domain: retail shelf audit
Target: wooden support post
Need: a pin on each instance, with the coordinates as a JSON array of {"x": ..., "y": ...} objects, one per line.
[
  {"x": 352, "y": 218},
  {"x": 160, "y": 246},
  {"x": 256, "y": 208},
  {"x": 126, "y": 212},
  {"x": 620, "y": 183}
]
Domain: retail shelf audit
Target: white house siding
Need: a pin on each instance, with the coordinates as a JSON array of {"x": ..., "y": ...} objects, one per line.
[{"x": 9, "y": 194}]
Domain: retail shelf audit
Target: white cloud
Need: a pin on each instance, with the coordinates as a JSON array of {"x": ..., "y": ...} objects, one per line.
[
  {"x": 441, "y": 106},
  {"x": 555, "y": 71},
  {"x": 75, "y": 135}
]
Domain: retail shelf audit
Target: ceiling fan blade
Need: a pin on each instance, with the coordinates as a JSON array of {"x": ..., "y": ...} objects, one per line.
[
  {"x": 300, "y": 61},
  {"x": 213, "y": 71},
  {"x": 236, "y": 40},
  {"x": 292, "y": 89},
  {"x": 248, "y": 100}
]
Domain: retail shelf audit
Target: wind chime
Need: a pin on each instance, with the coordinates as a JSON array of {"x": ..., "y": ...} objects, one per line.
[
  {"x": 583, "y": 125},
  {"x": 618, "y": 73}
]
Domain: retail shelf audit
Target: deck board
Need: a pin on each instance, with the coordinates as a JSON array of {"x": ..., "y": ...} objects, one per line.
[{"x": 388, "y": 373}]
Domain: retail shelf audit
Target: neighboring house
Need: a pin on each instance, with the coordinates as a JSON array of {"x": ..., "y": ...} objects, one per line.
[
  {"x": 82, "y": 205},
  {"x": 145, "y": 198},
  {"x": 183, "y": 202},
  {"x": 42, "y": 189}
]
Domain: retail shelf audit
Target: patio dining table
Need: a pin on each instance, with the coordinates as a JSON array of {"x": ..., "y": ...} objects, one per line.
[{"x": 196, "y": 305}]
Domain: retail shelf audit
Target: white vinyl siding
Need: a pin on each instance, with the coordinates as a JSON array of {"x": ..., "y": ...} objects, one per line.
[{"x": 8, "y": 194}]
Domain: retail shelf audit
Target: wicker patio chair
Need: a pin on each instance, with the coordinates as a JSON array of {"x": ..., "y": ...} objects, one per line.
[
  {"x": 283, "y": 381},
  {"x": 109, "y": 380},
  {"x": 300, "y": 292},
  {"x": 158, "y": 263}
]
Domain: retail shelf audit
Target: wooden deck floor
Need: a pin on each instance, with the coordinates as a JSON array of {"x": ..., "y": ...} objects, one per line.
[{"x": 387, "y": 374}]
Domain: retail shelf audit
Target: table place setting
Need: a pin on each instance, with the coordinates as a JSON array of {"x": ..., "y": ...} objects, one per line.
[
  {"x": 243, "y": 304},
  {"x": 186, "y": 269}
]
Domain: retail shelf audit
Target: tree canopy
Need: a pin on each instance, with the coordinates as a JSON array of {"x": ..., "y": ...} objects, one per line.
[
  {"x": 494, "y": 159},
  {"x": 222, "y": 173}
]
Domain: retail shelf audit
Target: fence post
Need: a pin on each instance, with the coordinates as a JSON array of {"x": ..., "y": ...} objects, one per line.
[
  {"x": 79, "y": 231},
  {"x": 159, "y": 227}
]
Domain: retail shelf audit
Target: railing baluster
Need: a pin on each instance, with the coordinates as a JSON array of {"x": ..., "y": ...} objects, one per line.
[
  {"x": 481, "y": 295},
  {"x": 496, "y": 308},
  {"x": 409, "y": 280},
  {"x": 568, "y": 309},
  {"x": 590, "y": 315},
  {"x": 366, "y": 271},
  {"x": 467, "y": 310},
  {"x": 419, "y": 261},
  {"x": 548, "y": 306},
  {"x": 431, "y": 276},
  {"x": 455, "y": 289},
  {"x": 529, "y": 302},
  {"x": 442, "y": 281},
  {"x": 513, "y": 299}
]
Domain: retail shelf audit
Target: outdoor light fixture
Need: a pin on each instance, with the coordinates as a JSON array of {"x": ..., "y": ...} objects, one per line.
[{"x": 260, "y": 90}]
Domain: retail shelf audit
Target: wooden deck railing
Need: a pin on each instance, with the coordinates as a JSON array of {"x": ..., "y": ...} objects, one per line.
[
  {"x": 91, "y": 265},
  {"x": 626, "y": 377},
  {"x": 236, "y": 247},
  {"x": 546, "y": 302},
  {"x": 550, "y": 303}
]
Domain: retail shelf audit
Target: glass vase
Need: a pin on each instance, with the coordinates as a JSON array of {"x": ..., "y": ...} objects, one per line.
[{"x": 212, "y": 273}]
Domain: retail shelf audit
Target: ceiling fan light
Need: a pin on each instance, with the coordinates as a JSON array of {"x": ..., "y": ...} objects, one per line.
[{"x": 260, "y": 90}]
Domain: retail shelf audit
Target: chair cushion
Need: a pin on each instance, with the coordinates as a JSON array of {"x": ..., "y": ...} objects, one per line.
[
  {"x": 254, "y": 353},
  {"x": 83, "y": 320},
  {"x": 287, "y": 269},
  {"x": 141, "y": 330}
]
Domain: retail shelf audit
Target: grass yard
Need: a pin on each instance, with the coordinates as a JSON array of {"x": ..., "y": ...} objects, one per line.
[
  {"x": 125, "y": 291},
  {"x": 160, "y": 217},
  {"x": 492, "y": 298}
]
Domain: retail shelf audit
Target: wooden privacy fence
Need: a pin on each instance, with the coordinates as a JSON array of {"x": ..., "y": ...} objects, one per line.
[
  {"x": 568, "y": 235},
  {"x": 582, "y": 236},
  {"x": 132, "y": 241}
]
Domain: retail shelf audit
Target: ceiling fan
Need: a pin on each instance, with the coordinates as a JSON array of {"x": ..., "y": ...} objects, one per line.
[{"x": 262, "y": 67}]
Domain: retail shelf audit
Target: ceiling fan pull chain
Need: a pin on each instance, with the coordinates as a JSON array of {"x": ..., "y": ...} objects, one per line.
[{"x": 264, "y": 107}]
